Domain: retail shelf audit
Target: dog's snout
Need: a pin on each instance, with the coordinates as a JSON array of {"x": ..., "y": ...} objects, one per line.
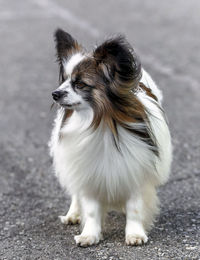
[{"x": 58, "y": 94}]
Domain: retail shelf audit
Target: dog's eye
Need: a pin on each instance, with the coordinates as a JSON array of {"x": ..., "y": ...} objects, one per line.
[{"x": 80, "y": 85}]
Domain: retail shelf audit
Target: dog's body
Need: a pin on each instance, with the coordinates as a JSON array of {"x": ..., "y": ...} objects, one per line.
[{"x": 108, "y": 160}]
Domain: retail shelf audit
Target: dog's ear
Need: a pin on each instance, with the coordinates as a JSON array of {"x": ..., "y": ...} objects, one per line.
[
  {"x": 65, "y": 45},
  {"x": 117, "y": 58}
]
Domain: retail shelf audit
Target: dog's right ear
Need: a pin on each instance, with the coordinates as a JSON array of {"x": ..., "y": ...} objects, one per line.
[{"x": 65, "y": 45}]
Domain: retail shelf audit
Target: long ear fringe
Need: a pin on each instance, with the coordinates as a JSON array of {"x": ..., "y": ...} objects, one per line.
[
  {"x": 117, "y": 56},
  {"x": 122, "y": 68}
]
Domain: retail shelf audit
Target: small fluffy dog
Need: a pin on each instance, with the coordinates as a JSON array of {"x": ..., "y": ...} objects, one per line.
[{"x": 111, "y": 145}]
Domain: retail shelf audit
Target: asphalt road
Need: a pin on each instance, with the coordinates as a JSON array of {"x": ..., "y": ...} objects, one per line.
[{"x": 166, "y": 36}]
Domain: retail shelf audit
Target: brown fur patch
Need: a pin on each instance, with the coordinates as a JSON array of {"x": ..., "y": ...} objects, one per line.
[{"x": 148, "y": 91}]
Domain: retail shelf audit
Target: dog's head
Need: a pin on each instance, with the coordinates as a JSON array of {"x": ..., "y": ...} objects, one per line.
[{"x": 102, "y": 80}]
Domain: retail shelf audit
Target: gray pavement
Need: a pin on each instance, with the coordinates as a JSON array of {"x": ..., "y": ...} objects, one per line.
[{"x": 166, "y": 36}]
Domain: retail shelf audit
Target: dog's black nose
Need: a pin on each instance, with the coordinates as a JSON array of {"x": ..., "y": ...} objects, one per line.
[{"x": 58, "y": 94}]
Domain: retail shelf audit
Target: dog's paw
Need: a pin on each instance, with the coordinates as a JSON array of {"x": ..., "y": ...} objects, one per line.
[
  {"x": 136, "y": 240},
  {"x": 70, "y": 219},
  {"x": 89, "y": 240}
]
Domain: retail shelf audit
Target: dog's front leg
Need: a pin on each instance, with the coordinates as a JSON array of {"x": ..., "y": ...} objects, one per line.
[
  {"x": 92, "y": 218},
  {"x": 73, "y": 215},
  {"x": 135, "y": 213}
]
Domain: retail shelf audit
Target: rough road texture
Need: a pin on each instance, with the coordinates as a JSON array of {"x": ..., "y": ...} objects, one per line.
[{"x": 166, "y": 36}]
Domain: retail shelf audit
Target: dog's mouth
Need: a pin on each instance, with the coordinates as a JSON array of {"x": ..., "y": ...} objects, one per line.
[{"x": 72, "y": 105}]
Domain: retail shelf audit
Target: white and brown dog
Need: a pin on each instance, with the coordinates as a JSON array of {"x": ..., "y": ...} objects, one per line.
[{"x": 111, "y": 145}]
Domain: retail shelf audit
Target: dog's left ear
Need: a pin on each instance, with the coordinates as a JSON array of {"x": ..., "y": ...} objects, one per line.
[
  {"x": 117, "y": 59},
  {"x": 65, "y": 45}
]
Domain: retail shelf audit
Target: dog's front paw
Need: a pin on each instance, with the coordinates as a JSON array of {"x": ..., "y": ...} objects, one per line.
[
  {"x": 136, "y": 239},
  {"x": 70, "y": 219},
  {"x": 87, "y": 240}
]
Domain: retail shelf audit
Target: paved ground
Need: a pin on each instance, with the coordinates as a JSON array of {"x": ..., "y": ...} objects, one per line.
[{"x": 166, "y": 35}]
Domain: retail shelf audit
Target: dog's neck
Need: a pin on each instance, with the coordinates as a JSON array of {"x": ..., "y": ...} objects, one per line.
[{"x": 78, "y": 120}]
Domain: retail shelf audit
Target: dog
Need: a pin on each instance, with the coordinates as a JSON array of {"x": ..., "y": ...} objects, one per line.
[{"x": 110, "y": 143}]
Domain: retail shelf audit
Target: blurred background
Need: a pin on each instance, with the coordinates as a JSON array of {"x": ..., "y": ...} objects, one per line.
[{"x": 166, "y": 36}]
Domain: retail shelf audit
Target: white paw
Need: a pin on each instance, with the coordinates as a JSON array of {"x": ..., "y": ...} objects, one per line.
[
  {"x": 136, "y": 240},
  {"x": 72, "y": 219},
  {"x": 89, "y": 240}
]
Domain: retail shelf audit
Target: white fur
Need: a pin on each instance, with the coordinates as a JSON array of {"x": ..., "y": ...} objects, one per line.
[
  {"x": 92, "y": 170},
  {"x": 73, "y": 215},
  {"x": 72, "y": 62},
  {"x": 148, "y": 82}
]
